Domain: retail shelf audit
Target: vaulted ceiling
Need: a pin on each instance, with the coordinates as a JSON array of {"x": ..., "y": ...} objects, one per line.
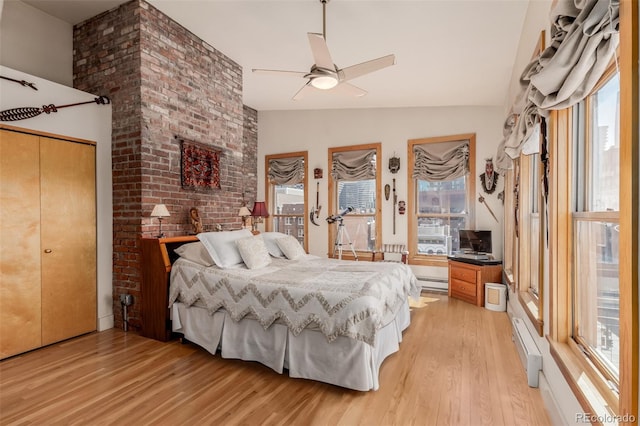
[{"x": 448, "y": 52}]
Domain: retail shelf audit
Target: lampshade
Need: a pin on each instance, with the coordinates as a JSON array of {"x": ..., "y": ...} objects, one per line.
[
  {"x": 244, "y": 211},
  {"x": 260, "y": 209},
  {"x": 160, "y": 210}
]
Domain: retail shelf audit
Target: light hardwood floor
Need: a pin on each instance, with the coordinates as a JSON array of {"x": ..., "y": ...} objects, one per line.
[{"x": 456, "y": 366}]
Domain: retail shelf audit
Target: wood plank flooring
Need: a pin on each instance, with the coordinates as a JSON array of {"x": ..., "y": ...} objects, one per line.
[{"x": 456, "y": 366}]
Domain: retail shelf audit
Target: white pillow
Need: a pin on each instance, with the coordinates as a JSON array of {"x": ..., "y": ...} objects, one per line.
[
  {"x": 270, "y": 241},
  {"x": 291, "y": 247},
  {"x": 254, "y": 252},
  {"x": 195, "y": 252},
  {"x": 222, "y": 246}
]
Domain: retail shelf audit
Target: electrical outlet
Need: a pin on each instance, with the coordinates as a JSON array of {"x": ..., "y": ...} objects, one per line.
[{"x": 126, "y": 299}]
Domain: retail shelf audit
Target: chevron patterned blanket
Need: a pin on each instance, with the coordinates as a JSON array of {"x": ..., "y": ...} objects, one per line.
[{"x": 338, "y": 297}]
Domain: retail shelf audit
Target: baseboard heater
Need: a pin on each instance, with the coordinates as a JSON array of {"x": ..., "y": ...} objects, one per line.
[
  {"x": 529, "y": 353},
  {"x": 433, "y": 283}
]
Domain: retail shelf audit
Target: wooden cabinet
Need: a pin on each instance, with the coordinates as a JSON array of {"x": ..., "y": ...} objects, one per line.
[
  {"x": 48, "y": 261},
  {"x": 157, "y": 257},
  {"x": 467, "y": 279}
]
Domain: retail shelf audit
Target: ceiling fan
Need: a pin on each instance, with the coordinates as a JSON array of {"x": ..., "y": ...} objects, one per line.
[{"x": 324, "y": 74}]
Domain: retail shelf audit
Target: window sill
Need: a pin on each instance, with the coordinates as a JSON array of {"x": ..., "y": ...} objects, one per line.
[
  {"x": 530, "y": 306},
  {"x": 588, "y": 385},
  {"x": 510, "y": 281}
]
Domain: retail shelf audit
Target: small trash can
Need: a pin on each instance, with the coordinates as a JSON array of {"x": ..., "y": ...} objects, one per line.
[{"x": 495, "y": 297}]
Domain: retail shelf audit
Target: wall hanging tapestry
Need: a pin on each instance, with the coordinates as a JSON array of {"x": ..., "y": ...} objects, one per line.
[{"x": 200, "y": 166}]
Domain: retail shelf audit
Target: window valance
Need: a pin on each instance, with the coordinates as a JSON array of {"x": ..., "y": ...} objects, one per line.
[
  {"x": 441, "y": 161},
  {"x": 354, "y": 165},
  {"x": 584, "y": 38},
  {"x": 286, "y": 171}
]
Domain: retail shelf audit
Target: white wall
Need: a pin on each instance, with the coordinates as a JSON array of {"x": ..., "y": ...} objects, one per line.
[
  {"x": 35, "y": 42},
  {"x": 315, "y": 131},
  {"x": 92, "y": 122}
]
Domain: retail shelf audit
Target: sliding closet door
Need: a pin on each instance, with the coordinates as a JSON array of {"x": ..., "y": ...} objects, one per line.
[
  {"x": 19, "y": 243},
  {"x": 68, "y": 210}
]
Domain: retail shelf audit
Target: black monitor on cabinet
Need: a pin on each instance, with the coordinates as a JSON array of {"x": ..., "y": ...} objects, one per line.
[{"x": 475, "y": 241}]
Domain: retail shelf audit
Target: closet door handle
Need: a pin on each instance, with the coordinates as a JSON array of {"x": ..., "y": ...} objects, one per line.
[{"x": 48, "y": 251}]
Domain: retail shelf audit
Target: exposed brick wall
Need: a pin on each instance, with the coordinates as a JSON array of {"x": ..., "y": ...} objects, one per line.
[{"x": 165, "y": 85}]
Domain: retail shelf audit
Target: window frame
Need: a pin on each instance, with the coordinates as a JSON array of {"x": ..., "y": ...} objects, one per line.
[
  {"x": 510, "y": 238},
  {"x": 270, "y": 198},
  {"x": 530, "y": 244},
  {"x": 581, "y": 212},
  {"x": 415, "y": 258},
  {"x": 332, "y": 186},
  {"x": 590, "y": 386}
]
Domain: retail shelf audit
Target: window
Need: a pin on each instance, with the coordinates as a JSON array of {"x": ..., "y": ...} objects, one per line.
[
  {"x": 510, "y": 261},
  {"x": 354, "y": 188},
  {"x": 286, "y": 194},
  {"x": 581, "y": 316},
  {"x": 587, "y": 335},
  {"x": 596, "y": 230},
  {"x": 441, "y": 193},
  {"x": 530, "y": 235}
]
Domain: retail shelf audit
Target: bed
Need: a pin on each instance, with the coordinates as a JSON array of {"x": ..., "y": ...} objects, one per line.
[{"x": 323, "y": 319}]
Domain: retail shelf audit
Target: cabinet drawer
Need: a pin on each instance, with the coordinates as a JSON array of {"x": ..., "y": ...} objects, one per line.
[
  {"x": 463, "y": 274},
  {"x": 463, "y": 288}
]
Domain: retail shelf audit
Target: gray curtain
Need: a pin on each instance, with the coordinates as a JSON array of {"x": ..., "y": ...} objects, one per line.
[
  {"x": 286, "y": 171},
  {"x": 354, "y": 165},
  {"x": 503, "y": 161},
  {"x": 441, "y": 161},
  {"x": 584, "y": 38},
  {"x": 525, "y": 126}
]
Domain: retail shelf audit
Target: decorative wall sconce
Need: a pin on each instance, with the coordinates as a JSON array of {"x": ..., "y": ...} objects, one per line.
[{"x": 317, "y": 173}]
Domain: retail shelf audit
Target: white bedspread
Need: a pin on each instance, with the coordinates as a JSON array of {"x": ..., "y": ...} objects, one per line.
[{"x": 341, "y": 298}]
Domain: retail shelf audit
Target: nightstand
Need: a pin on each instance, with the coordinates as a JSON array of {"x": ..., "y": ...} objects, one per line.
[
  {"x": 157, "y": 258},
  {"x": 467, "y": 278}
]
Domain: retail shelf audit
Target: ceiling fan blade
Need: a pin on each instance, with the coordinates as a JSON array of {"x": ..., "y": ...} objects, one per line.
[
  {"x": 320, "y": 51},
  {"x": 280, "y": 72},
  {"x": 304, "y": 89},
  {"x": 349, "y": 89},
  {"x": 363, "y": 68}
]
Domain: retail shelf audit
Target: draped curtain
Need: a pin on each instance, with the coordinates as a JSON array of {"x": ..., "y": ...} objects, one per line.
[
  {"x": 441, "y": 161},
  {"x": 286, "y": 171},
  {"x": 584, "y": 38},
  {"x": 354, "y": 165}
]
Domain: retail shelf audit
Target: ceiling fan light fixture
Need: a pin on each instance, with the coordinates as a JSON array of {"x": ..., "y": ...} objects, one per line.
[{"x": 324, "y": 82}]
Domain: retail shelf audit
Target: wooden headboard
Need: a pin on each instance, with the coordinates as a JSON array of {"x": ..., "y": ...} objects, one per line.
[{"x": 157, "y": 257}]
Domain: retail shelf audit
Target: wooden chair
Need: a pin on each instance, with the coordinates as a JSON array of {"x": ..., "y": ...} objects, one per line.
[{"x": 392, "y": 253}]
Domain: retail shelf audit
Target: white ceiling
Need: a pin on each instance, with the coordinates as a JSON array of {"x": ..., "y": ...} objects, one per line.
[{"x": 448, "y": 52}]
